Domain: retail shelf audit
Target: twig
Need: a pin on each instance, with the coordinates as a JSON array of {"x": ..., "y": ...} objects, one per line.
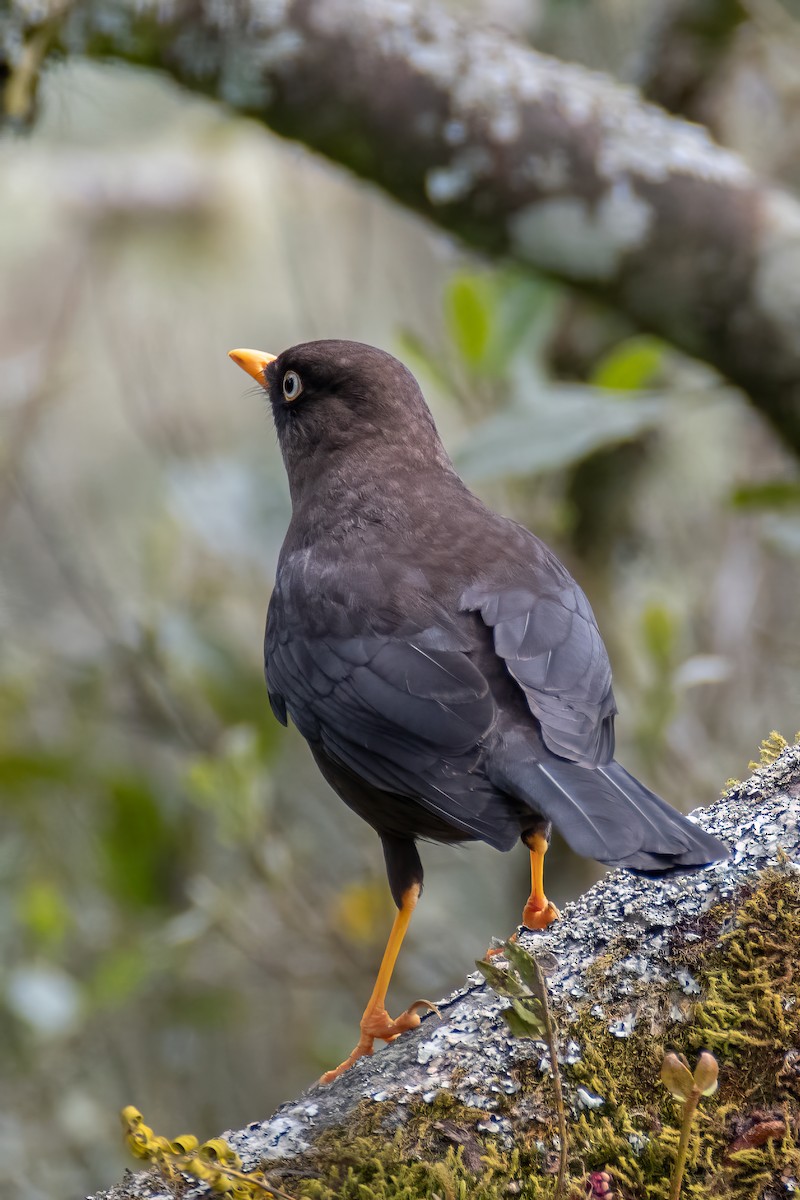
[{"x": 530, "y": 1016}]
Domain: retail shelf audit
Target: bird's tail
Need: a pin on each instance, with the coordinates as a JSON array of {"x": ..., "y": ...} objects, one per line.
[{"x": 606, "y": 814}]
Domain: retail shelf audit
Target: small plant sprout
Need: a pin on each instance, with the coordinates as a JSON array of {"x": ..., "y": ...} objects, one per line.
[
  {"x": 529, "y": 1017},
  {"x": 688, "y": 1088}
]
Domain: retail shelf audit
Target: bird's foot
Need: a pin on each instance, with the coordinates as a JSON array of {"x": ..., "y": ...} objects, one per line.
[
  {"x": 363, "y": 1049},
  {"x": 378, "y": 1024},
  {"x": 538, "y": 913}
]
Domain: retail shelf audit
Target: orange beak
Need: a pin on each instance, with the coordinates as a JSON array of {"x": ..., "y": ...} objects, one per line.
[{"x": 255, "y": 362}]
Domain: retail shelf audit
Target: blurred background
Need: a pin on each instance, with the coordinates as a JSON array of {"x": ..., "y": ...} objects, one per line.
[{"x": 189, "y": 920}]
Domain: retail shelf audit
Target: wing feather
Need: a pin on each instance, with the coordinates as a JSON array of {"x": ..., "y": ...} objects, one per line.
[
  {"x": 407, "y": 714},
  {"x": 545, "y": 631}
]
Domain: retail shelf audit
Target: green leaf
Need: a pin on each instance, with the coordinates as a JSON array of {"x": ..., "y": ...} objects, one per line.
[
  {"x": 140, "y": 847},
  {"x": 43, "y": 911},
  {"x": 567, "y": 424},
  {"x": 495, "y": 976},
  {"x": 468, "y": 316},
  {"x": 631, "y": 365},
  {"x": 659, "y": 630},
  {"x": 20, "y": 770},
  {"x": 520, "y": 1026},
  {"x": 522, "y": 316},
  {"x": 778, "y": 493},
  {"x": 527, "y": 968},
  {"x": 502, "y": 981},
  {"x": 529, "y": 1009}
]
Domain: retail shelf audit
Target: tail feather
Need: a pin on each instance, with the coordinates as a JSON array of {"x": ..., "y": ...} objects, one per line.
[{"x": 607, "y": 814}]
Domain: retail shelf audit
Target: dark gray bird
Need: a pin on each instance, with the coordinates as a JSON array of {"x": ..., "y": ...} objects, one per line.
[{"x": 444, "y": 667}]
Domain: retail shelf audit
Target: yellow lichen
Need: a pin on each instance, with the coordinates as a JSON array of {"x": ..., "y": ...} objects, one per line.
[
  {"x": 213, "y": 1163},
  {"x": 770, "y": 749}
]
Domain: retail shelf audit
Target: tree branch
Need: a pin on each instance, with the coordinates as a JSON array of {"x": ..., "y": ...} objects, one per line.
[
  {"x": 634, "y": 966},
  {"x": 517, "y": 154},
  {"x": 685, "y": 47}
]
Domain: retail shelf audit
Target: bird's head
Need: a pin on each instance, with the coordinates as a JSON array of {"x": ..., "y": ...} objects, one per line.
[{"x": 340, "y": 402}]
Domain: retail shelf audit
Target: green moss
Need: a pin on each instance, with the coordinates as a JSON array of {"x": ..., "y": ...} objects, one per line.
[
  {"x": 749, "y": 1015},
  {"x": 437, "y": 1152}
]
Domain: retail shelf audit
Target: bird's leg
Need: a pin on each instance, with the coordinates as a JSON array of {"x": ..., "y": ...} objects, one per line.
[
  {"x": 376, "y": 1022},
  {"x": 538, "y": 913}
]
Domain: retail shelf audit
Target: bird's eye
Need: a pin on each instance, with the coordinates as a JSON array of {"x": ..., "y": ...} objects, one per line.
[{"x": 292, "y": 387}]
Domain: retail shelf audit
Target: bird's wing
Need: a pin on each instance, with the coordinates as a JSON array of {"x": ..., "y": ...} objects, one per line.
[
  {"x": 406, "y": 711},
  {"x": 545, "y": 631}
]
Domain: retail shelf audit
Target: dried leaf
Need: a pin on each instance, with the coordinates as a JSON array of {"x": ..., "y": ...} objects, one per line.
[
  {"x": 676, "y": 1077},
  {"x": 706, "y": 1074}
]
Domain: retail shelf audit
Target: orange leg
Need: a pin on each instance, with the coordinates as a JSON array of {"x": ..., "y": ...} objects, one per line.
[
  {"x": 376, "y": 1022},
  {"x": 538, "y": 913}
]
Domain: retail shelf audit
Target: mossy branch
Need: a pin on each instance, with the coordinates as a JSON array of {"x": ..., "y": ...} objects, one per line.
[
  {"x": 529, "y": 1015},
  {"x": 461, "y": 1107}
]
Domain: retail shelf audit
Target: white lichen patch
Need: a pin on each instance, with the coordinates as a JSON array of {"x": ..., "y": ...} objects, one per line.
[
  {"x": 548, "y": 172},
  {"x": 687, "y": 983},
  {"x": 281, "y": 1137},
  {"x": 639, "y": 139},
  {"x": 444, "y": 185},
  {"x": 587, "y": 1099},
  {"x": 624, "y": 1026},
  {"x": 581, "y": 240},
  {"x": 491, "y": 82}
]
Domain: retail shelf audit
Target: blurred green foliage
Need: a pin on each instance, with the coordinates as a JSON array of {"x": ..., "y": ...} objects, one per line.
[
  {"x": 189, "y": 920},
  {"x": 498, "y": 324}
]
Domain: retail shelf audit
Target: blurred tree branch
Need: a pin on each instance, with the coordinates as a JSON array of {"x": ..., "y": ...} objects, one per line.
[
  {"x": 517, "y": 154},
  {"x": 686, "y": 46}
]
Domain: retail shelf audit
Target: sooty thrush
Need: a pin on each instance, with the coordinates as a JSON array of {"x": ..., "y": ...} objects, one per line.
[{"x": 444, "y": 667}]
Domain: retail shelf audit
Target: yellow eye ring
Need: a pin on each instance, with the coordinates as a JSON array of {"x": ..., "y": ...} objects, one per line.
[{"x": 292, "y": 386}]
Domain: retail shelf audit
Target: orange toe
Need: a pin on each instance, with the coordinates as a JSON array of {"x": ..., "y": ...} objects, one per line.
[
  {"x": 378, "y": 1024},
  {"x": 539, "y": 916},
  {"x": 364, "y": 1049}
]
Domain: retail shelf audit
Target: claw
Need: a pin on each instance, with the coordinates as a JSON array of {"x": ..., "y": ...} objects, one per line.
[
  {"x": 378, "y": 1024},
  {"x": 424, "y": 1004},
  {"x": 540, "y": 918}
]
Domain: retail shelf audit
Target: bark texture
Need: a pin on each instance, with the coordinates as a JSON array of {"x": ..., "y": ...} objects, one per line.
[
  {"x": 517, "y": 154},
  {"x": 633, "y": 967}
]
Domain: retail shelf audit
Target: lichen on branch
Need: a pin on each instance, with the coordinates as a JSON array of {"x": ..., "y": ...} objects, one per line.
[
  {"x": 517, "y": 154},
  {"x": 637, "y": 968}
]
